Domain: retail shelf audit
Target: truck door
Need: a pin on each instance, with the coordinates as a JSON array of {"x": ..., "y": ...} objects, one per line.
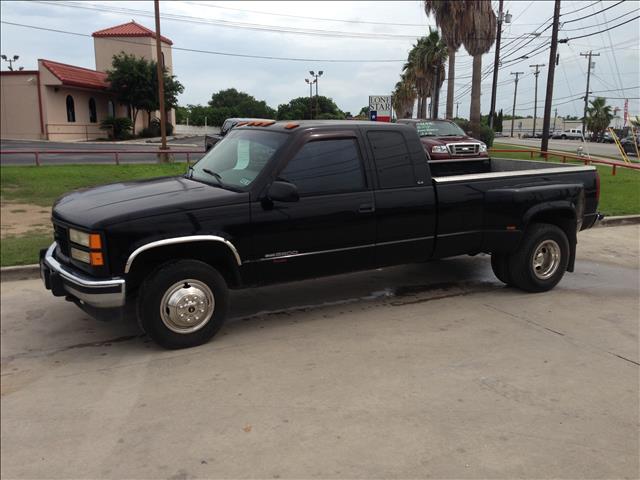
[
  {"x": 405, "y": 199},
  {"x": 331, "y": 229}
]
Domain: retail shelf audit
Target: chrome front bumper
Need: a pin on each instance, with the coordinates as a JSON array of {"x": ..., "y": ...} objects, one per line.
[{"x": 63, "y": 281}]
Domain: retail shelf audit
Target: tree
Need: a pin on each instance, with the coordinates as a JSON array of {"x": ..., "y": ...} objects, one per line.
[
  {"x": 478, "y": 29},
  {"x": 364, "y": 112},
  {"x": 447, "y": 15},
  {"x": 231, "y": 103},
  {"x": 134, "y": 82},
  {"x": 298, "y": 109},
  {"x": 403, "y": 98},
  {"x": 425, "y": 58},
  {"x": 599, "y": 116},
  {"x": 497, "y": 125}
]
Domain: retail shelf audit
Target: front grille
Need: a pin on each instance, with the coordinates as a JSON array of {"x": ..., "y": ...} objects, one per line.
[
  {"x": 463, "y": 149},
  {"x": 61, "y": 236}
]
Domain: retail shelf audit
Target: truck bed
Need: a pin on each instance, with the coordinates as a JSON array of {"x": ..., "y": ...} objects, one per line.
[{"x": 463, "y": 169}]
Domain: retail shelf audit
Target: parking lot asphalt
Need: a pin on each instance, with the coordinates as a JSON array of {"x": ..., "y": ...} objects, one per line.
[
  {"x": 431, "y": 370},
  {"x": 126, "y": 155}
]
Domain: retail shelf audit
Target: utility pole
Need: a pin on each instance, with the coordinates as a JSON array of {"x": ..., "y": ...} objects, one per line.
[
  {"x": 515, "y": 93},
  {"x": 457, "y": 105},
  {"x": 310, "y": 82},
  {"x": 316, "y": 76},
  {"x": 496, "y": 62},
  {"x": 586, "y": 95},
  {"x": 555, "y": 116},
  {"x": 553, "y": 51},
  {"x": 163, "y": 114},
  {"x": 535, "y": 97}
]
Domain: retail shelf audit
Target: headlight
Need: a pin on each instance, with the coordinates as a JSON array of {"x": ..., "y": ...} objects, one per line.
[
  {"x": 91, "y": 240},
  {"x": 483, "y": 148},
  {"x": 439, "y": 149},
  {"x": 80, "y": 255}
]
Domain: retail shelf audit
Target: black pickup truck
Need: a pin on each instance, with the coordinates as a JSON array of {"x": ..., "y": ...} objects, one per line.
[{"x": 276, "y": 202}]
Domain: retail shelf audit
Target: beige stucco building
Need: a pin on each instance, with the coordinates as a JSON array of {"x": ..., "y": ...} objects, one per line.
[{"x": 67, "y": 103}]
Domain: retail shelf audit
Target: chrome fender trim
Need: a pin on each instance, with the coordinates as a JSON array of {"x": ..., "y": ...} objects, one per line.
[{"x": 188, "y": 239}]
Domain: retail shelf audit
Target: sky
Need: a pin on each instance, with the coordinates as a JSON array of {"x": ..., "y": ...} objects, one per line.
[{"x": 324, "y": 31}]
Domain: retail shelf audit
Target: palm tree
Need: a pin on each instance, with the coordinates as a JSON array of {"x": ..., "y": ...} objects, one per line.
[
  {"x": 447, "y": 15},
  {"x": 404, "y": 96},
  {"x": 437, "y": 54},
  {"x": 599, "y": 116},
  {"x": 478, "y": 28},
  {"x": 428, "y": 54}
]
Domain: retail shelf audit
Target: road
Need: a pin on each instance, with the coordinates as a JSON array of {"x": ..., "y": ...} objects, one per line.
[
  {"x": 192, "y": 144},
  {"x": 603, "y": 149},
  {"x": 431, "y": 370}
]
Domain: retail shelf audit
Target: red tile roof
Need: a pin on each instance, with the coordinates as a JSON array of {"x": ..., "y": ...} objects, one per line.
[
  {"x": 131, "y": 29},
  {"x": 77, "y": 76}
]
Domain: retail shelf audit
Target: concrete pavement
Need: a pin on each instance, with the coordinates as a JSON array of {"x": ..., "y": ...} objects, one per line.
[{"x": 433, "y": 370}]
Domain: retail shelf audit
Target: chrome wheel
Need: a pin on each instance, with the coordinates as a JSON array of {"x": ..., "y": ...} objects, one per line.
[
  {"x": 187, "y": 306},
  {"x": 546, "y": 259}
]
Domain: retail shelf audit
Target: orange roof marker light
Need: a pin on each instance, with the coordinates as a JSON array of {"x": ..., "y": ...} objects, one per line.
[
  {"x": 241, "y": 124},
  {"x": 289, "y": 126},
  {"x": 266, "y": 123}
]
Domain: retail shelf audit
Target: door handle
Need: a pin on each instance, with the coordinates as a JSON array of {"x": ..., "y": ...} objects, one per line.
[{"x": 366, "y": 208}]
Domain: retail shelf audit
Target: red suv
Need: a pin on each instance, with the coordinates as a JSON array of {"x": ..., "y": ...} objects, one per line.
[{"x": 445, "y": 140}]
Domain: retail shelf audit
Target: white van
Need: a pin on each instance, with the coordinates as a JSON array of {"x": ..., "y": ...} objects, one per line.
[{"x": 571, "y": 134}]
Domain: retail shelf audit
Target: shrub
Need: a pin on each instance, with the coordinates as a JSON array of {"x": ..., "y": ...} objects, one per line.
[
  {"x": 486, "y": 135},
  {"x": 153, "y": 130},
  {"x": 118, "y": 128}
]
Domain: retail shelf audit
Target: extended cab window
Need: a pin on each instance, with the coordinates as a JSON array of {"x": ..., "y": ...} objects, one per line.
[
  {"x": 392, "y": 158},
  {"x": 326, "y": 166}
]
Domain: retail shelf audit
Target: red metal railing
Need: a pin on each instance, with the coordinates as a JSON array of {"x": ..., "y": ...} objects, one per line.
[
  {"x": 587, "y": 160},
  {"x": 116, "y": 153}
]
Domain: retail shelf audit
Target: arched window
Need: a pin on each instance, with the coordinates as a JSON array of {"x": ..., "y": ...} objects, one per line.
[
  {"x": 111, "y": 109},
  {"x": 71, "y": 109},
  {"x": 93, "y": 115}
]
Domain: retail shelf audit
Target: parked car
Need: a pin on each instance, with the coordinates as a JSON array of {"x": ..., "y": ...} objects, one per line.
[
  {"x": 445, "y": 140},
  {"x": 631, "y": 144},
  {"x": 227, "y": 126},
  {"x": 571, "y": 134},
  {"x": 293, "y": 200}
]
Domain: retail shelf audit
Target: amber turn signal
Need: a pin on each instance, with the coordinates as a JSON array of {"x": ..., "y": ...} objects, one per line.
[
  {"x": 97, "y": 259},
  {"x": 95, "y": 243}
]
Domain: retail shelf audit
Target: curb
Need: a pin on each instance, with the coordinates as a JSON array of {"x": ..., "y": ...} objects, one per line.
[
  {"x": 618, "y": 221},
  {"x": 19, "y": 272},
  {"x": 28, "y": 272}
]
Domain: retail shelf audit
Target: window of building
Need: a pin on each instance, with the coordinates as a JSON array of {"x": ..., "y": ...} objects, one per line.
[
  {"x": 93, "y": 114},
  {"x": 392, "y": 158},
  {"x": 111, "y": 110},
  {"x": 71, "y": 109},
  {"x": 326, "y": 166}
]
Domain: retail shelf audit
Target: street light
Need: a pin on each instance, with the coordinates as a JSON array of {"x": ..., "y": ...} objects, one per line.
[
  {"x": 10, "y": 60},
  {"x": 316, "y": 76},
  {"x": 310, "y": 82}
]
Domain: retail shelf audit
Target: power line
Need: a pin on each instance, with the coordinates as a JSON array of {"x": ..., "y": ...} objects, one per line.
[
  {"x": 212, "y": 52},
  {"x": 579, "y": 9},
  {"x": 599, "y": 24},
  {"x": 592, "y": 14},
  {"x": 368, "y": 22},
  {"x": 565, "y": 40}
]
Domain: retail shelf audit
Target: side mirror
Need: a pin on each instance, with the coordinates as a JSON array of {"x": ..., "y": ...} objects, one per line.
[{"x": 283, "y": 192}]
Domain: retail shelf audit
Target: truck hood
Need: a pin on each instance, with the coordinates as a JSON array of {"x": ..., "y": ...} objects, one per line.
[
  {"x": 98, "y": 207},
  {"x": 431, "y": 141}
]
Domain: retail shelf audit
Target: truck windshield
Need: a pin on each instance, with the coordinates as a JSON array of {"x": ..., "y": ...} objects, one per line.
[
  {"x": 238, "y": 158},
  {"x": 438, "y": 129}
]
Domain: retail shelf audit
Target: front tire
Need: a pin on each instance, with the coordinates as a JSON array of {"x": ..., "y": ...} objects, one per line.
[
  {"x": 183, "y": 304},
  {"x": 541, "y": 260}
]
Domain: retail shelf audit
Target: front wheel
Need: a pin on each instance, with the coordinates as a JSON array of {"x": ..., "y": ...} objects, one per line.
[
  {"x": 541, "y": 260},
  {"x": 182, "y": 304}
]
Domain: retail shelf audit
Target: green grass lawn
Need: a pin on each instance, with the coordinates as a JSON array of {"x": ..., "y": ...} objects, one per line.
[
  {"x": 23, "y": 249},
  {"x": 42, "y": 185},
  {"x": 619, "y": 193}
]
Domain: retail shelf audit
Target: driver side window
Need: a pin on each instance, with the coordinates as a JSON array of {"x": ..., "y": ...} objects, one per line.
[{"x": 326, "y": 166}]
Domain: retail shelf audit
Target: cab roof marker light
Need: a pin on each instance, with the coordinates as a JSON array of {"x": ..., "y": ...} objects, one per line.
[{"x": 289, "y": 126}]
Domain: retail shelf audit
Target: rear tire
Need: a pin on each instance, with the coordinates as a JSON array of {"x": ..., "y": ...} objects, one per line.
[
  {"x": 541, "y": 260},
  {"x": 182, "y": 304}
]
